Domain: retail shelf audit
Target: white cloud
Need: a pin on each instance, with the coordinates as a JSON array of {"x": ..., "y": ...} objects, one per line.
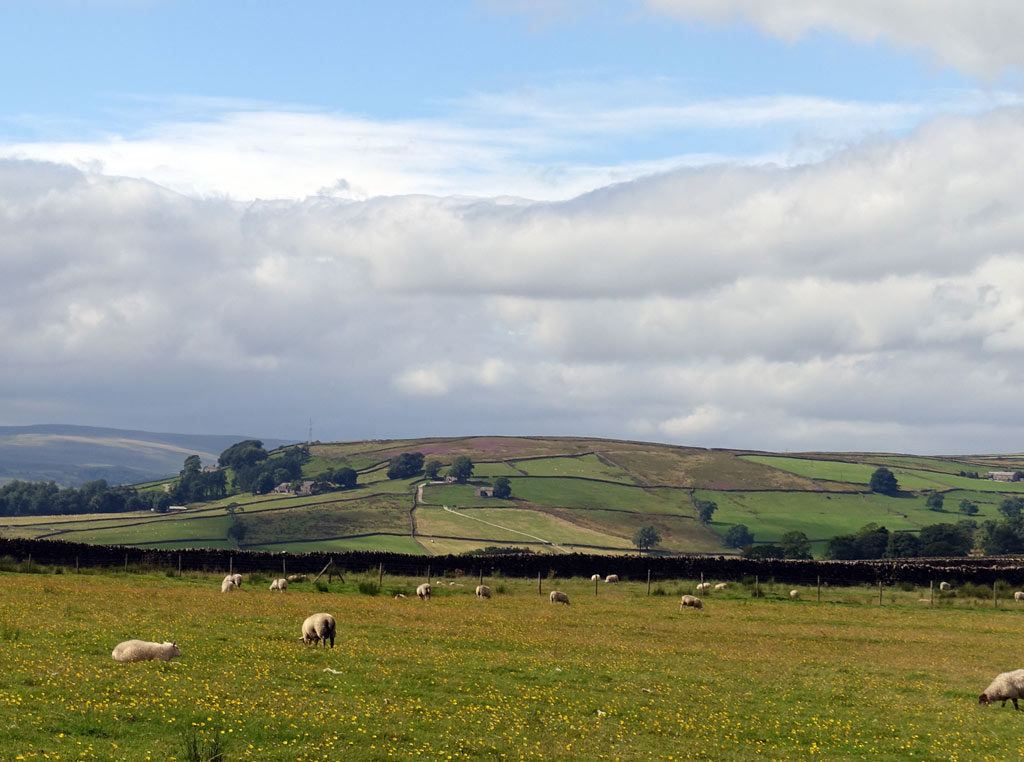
[
  {"x": 871, "y": 300},
  {"x": 981, "y": 37}
]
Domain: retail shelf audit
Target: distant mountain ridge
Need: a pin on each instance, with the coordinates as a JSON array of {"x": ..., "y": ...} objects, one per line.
[{"x": 72, "y": 455}]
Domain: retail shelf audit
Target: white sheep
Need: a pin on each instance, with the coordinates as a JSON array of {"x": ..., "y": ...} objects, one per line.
[
  {"x": 612, "y": 578},
  {"x": 691, "y": 600},
  {"x": 703, "y": 587},
  {"x": 721, "y": 586},
  {"x": 1018, "y": 596},
  {"x": 399, "y": 596},
  {"x": 595, "y": 577},
  {"x": 143, "y": 650},
  {"x": 279, "y": 584},
  {"x": 794, "y": 594},
  {"x": 1006, "y": 686},
  {"x": 482, "y": 591},
  {"x": 557, "y": 596},
  {"x": 318, "y": 628},
  {"x": 296, "y": 577},
  {"x": 227, "y": 585},
  {"x": 423, "y": 591},
  {"x": 236, "y": 578},
  {"x": 945, "y": 586}
]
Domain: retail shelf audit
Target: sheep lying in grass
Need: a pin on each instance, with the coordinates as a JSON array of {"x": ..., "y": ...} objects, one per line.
[
  {"x": 143, "y": 650},
  {"x": 703, "y": 587},
  {"x": 612, "y": 578},
  {"x": 296, "y": 577},
  {"x": 1007, "y": 686},
  {"x": 423, "y": 591},
  {"x": 482, "y": 591},
  {"x": 279, "y": 584},
  {"x": 399, "y": 596},
  {"x": 227, "y": 585},
  {"x": 691, "y": 600},
  {"x": 945, "y": 586},
  {"x": 721, "y": 586},
  {"x": 557, "y": 596},
  {"x": 318, "y": 628}
]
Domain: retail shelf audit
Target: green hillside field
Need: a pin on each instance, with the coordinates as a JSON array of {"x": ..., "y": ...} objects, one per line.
[{"x": 567, "y": 493}]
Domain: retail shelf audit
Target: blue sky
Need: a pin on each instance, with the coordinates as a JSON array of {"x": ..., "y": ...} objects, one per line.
[{"x": 712, "y": 222}]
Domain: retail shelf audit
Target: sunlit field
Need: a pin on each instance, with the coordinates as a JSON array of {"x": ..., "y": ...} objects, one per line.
[{"x": 619, "y": 675}]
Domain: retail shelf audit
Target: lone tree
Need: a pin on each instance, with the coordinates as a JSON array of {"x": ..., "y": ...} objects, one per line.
[
  {"x": 934, "y": 501},
  {"x": 704, "y": 509},
  {"x": 432, "y": 468},
  {"x": 461, "y": 469},
  {"x": 968, "y": 508},
  {"x": 405, "y": 465},
  {"x": 646, "y": 537},
  {"x": 739, "y": 536},
  {"x": 884, "y": 482},
  {"x": 502, "y": 487}
]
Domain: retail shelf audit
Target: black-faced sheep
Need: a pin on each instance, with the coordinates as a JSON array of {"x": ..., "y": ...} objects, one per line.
[
  {"x": 691, "y": 600},
  {"x": 143, "y": 650},
  {"x": 557, "y": 596},
  {"x": 318, "y": 628},
  {"x": 1007, "y": 686},
  {"x": 482, "y": 591}
]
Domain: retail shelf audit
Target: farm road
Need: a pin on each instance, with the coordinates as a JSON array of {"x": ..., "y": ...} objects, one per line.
[{"x": 507, "y": 529}]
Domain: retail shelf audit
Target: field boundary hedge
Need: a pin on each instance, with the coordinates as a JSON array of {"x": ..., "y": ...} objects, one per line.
[{"x": 986, "y": 570}]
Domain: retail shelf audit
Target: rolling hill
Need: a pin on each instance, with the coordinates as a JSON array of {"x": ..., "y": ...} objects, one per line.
[
  {"x": 568, "y": 495},
  {"x": 72, "y": 455}
]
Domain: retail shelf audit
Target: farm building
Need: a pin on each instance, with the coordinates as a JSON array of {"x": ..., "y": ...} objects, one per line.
[
  {"x": 1002, "y": 476},
  {"x": 485, "y": 492}
]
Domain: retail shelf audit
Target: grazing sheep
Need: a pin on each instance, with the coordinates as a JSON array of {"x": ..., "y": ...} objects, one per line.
[
  {"x": 703, "y": 587},
  {"x": 318, "y": 628},
  {"x": 143, "y": 650},
  {"x": 296, "y": 577},
  {"x": 721, "y": 586},
  {"x": 945, "y": 586},
  {"x": 236, "y": 578},
  {"x": 1018, "y": 596},
  {"x": 595, "y": 577},
  {"x": 691, "y": 600},
  {"x": 423, "y": 591},
  {"x": 794, "y": 594},
  {"x": 279, "y": 584},
  {"x": 612, "y": 578},
  {"x": 482, "y": 591},
  {"x": 557, "y": 596},
  {"x": 227, "y": 585},
  {"x": 1005, "y": 686}
]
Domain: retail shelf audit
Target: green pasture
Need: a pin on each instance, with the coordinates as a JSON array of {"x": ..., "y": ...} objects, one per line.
[
  {"x": 376, "y": 542},
  {"x": 580, "y": 493},
  {"x": 492, "y": 470},
  {"x": 679, "y": 534},
  {"x": 545, "y": 526},
  {"x": 160, "y": 531},
  {"x": 329, "y": 520},
  {"x": 585, "y": 466},
  {"x": 617, "y": 675},
  {"x": 459, "y": 494},
  {"x": 437, "y": 521}
]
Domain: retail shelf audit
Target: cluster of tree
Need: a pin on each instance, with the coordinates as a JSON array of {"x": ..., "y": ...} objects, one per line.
[
  {"x": 794, "y": 544},
  {"x": 884, "y": 482},
  {"x": 410, "y": 464},
  {"x": 20, "y": 498},
  {"x": 1007, "y": 535},
  {"x": 342, "y": 477},
  {"x": 494, "y": 550},
  {"x": 194, "y": 484},
  {"x": 874, "y": 541},
  {"x": 502, "y": 487},
  {"x": 257, "y": 471}
]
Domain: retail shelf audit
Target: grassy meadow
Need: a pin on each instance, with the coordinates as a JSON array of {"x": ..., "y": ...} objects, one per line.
[{"x": 620, "y": 675}]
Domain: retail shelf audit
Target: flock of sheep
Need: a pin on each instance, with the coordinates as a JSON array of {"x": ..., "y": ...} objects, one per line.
[{"x": 322, "y": 628}]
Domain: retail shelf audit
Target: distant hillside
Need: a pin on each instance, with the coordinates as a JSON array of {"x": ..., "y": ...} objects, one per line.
[
  {"x": 568, "y": 495},
  {"x": 71, "y": 455}
]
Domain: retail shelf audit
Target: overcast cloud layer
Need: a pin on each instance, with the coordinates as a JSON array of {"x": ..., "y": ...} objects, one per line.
[
  {"x": 871, "y": 299},
  {"x": 857, "y": 283}
]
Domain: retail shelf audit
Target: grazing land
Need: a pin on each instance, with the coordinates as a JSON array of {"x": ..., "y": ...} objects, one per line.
[
  {"x": 620, "y": 675},
  {"x": 579, "y": 493}
]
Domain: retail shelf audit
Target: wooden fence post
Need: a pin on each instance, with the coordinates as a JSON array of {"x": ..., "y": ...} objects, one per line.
[
  {"x": 931, "y": 592},
  {"x": 538, "y": 584},
  {"x": 819, "y": 588},
  {"x": 648, "y": 581},
  {"x": 757, "y": 586},
  {"x": 380, "y": 574},
  {"x": 126, "y": 561},
  {"x": 179, "y": 564},
  {"x": 76, "y": 565},
  {"x": 995, "y": 602},
  {"x": 879, "y": 592}
]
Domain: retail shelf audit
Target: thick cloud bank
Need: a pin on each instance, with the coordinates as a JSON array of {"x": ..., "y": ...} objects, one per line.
[
  {"x": 981, "y": 37},
  {"x": 873, "y": 300}
]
